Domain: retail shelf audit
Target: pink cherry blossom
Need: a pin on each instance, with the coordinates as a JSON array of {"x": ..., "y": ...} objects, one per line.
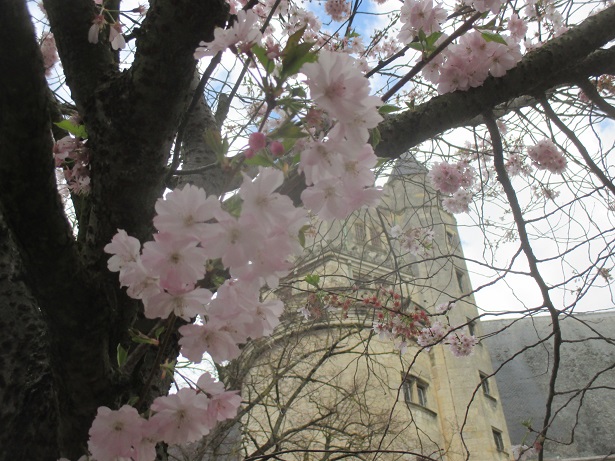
[
  {"x": 337, "y": 9},
  {"x": 432, "y": 335},
  {"x": 445, "y": 177},
  {"x": 206, "y": 383},
  {"x": 461, "y": 344},
  {"x": 176, "y": 260},
  {"x": 517, "y": 27},
  {"x": 49, "y": 52},
  {"x": 124, "y": 248},
  {"x": 546, "y": 156},
  {"x": 186, "y": 305},
  {"x": 210, "y": 338},
  {"x": 114, "y": 433},
  {"x": 116, "y": 38},
  {"x": 336, "y": 85},
  {"x": 181, "y": 417},
  {"x": 458, "y": 203},
  {"x": 97, "y": 25},
  {"x": 243, "y": 34},
  {"x": 224, "y": 405},
  {"x": 419, "y": 15},
  {"x": 185, "y": 211},
  {"x": 232, "y": 239}
]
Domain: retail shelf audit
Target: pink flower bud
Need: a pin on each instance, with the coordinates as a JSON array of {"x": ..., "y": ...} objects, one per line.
[
  {"x": 249, "y": 153},
  {"x": 257, "y": 141},
  {"x": 277, "y": 149}
]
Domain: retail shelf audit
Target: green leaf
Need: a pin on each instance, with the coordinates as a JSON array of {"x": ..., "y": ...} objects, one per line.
[
  {"x": 298, "y": 91},
  {"x": 213, "y": 140},
  {"x": 261, "y": 55},
  {"x": 158, "y": 331},
  {"x": 288, "y": 130},
  {"x": 76, "y": 130},
  {"x": 491, "y": 37},
  {"x": 433, "y": 38},
  {"x": 297, "y": 57},
  {"x": 122, "y": 355},
  {"x": 388, "y": 108},
  {"x": 418, "y": 46},
  {"x": 259, "y": 160},
  {"x": 374, "y": 137},
  {"x": 312, "y": 279}
]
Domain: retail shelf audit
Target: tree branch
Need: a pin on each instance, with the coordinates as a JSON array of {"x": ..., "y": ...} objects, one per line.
[{"x": 566, "y": 59}]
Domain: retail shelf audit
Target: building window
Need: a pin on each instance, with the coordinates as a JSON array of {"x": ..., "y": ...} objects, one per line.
[
  {"x": 359, "y": 232},
  {"x": 375, "y": 237},
  {"x": 497, "y": 438},
  {"x": 484, "y": 383},
  {"x": 459, "y": 275},
  {"x": 415, "y": 391},
  {"x": 450, "y": 238}
]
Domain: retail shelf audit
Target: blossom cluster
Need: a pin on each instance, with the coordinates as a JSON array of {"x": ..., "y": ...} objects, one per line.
[
  {"x": 242, "y": 34},
  {"x": 460, "y": 343},
  {"x": 394, "y": 319},
  {"x": 467, "y": 64},
  {"x": 416, "y": 240},
  {"x": 546, "y": 156},
  {"x": 455, "y": 180},
  {"x": 72, "y": 155},
  {"x": 193, "y": 229},
  {"x": 185, "y": 416},
  {"x": 49, "y": 52},
  {"x": 420, "y": 15},
  {"x": 338, "y": 169}
]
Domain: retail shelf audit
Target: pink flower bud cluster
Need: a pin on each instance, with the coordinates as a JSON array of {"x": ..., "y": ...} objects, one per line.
[
  {"x": 338, "y": 169},
  {"x": 455, "y": 180},
  {"x": 393, "y": 320},
  {"x": 255, "y": 246},
  {"x": 258, "y": 141},
  {"x": 72, "y": 155},
  {"x": 416, "y": 240},
  {"x": 546, "y": 156}
]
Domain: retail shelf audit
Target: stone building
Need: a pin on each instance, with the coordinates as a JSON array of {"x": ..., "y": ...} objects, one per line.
[
  {"x": 328, "y": 386},
  {"x": 582, "y": 423}
]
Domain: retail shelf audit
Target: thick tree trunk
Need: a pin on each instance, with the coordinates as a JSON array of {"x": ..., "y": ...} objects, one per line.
[{"x": 28, "y": 415}]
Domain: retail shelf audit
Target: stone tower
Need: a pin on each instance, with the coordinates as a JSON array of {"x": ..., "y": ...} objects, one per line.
[{"x": 328, "y": 385}]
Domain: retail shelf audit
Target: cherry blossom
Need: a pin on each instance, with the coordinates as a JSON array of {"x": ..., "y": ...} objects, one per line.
[
  {"x": 419, "y": 15},
  {"x": 114, "y": 433},
  {"x": 243, "y": 34},
  {"x": 337, "y": 9},
  {"x": 49, "y": 52},
  {"x": 125, "y": 249},
  {"x": 186, "y": 211},
  {"x": 461, "y": 344},
  {"x": 458, "y": 203},
  {"x": 181, "y": 417},
  {"x": 115, "y": 37},
  {"x": 546, "y": 156},
  {"x": 336, "y": 85}
]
